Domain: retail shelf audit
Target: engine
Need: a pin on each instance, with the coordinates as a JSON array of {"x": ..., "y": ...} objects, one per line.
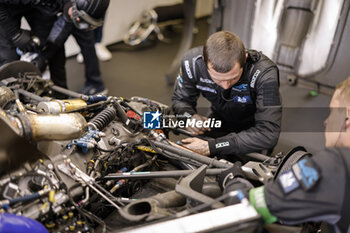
[{"x": 78, "y": 163}]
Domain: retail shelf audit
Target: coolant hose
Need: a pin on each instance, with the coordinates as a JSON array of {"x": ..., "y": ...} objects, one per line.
[{"x": 10, "y": 223}]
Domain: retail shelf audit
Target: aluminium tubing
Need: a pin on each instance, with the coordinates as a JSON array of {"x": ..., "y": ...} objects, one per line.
[
  {"x": 31, "y": 95},
  {"x": 192, "y": 155},
  {"x": 63, "y": 126},
  {"x": 258, "y": 156},
  {"x": 66, "y": 91},
  {"x": 159, "y": 174}
]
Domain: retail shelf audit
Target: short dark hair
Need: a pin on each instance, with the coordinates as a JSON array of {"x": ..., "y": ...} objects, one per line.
[{"x": 223, "y": 49}]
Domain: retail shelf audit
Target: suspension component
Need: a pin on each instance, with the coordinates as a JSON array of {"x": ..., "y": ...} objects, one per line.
[{"x": 101, "y": 120}]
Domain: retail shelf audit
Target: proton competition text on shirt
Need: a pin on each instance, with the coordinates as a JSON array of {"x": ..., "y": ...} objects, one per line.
[{"x": 152, "y": 120}]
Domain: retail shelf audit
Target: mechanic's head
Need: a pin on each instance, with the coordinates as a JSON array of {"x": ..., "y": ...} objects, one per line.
[
  {"x": 338, "y": 123},
  {"x": 87, "y": 14},
  {"x": 224, "y": 54}
]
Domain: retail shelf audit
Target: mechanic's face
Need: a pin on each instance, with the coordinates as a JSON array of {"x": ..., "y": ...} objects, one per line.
[
  {"x": 226, "y": 80},
  {"x": 336, "y": 123}
]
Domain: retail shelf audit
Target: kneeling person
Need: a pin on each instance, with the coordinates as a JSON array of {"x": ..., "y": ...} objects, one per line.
[{"x": 243, "y": 89}]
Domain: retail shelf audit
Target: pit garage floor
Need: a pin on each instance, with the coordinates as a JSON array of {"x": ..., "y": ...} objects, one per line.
[{"x": 141, "y": 72}]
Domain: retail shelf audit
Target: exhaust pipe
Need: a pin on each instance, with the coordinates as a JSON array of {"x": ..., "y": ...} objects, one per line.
[
  {"x": 6, "y": 95},
  {"x": 64, "y": 126}
]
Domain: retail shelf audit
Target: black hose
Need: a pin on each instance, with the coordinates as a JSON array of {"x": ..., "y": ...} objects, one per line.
[{"x": 120, "y": 112}]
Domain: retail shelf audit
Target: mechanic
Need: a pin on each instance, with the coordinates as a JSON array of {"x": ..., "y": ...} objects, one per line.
[
  {"x": 243, "y": 89},
  {"x": 52, "y": 32},
  {"x": 40, "y": 15},
  {"x": 316, "y": 188},
  {"x": 80, "y": 18}
]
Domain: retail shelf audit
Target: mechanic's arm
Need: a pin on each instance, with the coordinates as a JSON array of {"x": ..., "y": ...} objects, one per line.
[
  {"x": 307, "y": 192},
  {"x": 10, "y": 29},
  {"x": 185, "y": 93},
  {"x": 9, "y": 25},
  {"x": 289, "y": 199},
  {"x": 264, "y": 134},
  {"x": 59, "y": 33}
]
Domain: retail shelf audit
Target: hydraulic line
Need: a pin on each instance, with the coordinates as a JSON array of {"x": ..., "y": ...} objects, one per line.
[
  {"x": 29, "y": 197},
  {"x": 122, "y": 182}
]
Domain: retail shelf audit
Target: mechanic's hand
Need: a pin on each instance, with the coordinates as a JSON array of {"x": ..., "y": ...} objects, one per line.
[
  {"x": 197, "y": 145},
  {"x": 40, "y": 62},
  {"x": 233, "y": 179},
  {"x": 194, "y": 130},
  {"x": 230, "y": 173},
  {"x": 26, "y": 42}
]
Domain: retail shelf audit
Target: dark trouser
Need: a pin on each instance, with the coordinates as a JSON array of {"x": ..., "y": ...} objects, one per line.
[
  {"x": 98, "y": 34},
  {"x": 86, "y": 42},
  {"x": 41, "y": 26}
]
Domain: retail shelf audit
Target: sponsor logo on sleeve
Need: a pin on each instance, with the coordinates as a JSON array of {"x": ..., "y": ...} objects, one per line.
[
  {"x": 288, "y": 182},
  {"x": 306, "y": 173},
  {"x": 252, "y": 82},
  {"x": 188, "y": 70},
  {"x": 180, "y": 81},
  {"x": 221, "y": 144}
]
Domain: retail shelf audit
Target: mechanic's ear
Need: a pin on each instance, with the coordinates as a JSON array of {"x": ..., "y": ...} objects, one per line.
[
  {"x": 347, "y": 119},
  {"x": 246, "y": 56}
]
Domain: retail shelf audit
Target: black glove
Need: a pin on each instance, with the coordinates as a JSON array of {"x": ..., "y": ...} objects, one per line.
[
  {"x": 40, "y": 62},
  {"x": 25, "y": 41},
  {"x": 230, "y": 173},
  {"x": 233, "y": 179}
]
